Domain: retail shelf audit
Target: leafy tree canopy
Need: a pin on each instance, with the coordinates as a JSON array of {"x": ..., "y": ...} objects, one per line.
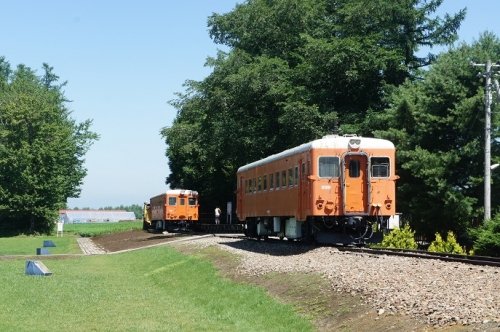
[
  {"x": 437, "y": 123},
  {"x": 41, "y": 149},
  {"x": 295, "y": 71}
]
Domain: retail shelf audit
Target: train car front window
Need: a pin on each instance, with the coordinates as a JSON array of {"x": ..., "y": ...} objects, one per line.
[
  {"x": 172, "y": 201},
  {"x": 329, "y": 167},
  {"x": 192, "y": 201},
  {"x": 380, "y": 167},
  {"x": 354, "y": 169}
]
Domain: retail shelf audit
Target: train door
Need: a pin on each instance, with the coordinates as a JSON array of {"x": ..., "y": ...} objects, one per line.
[
  {"x": 355, "y": 184},
  {"x": 242, "y": 189},
  {"x": 182, "y": 212},
  {"x": 304, "y": 169},
  {"x": 192, "y": 207}
]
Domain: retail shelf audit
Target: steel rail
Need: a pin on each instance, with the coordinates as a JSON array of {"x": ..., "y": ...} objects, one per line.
[{"x": 472, "y": 260}]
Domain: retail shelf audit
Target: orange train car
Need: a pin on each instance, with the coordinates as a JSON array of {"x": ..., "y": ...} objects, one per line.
[
  {"x": 175, "y": 208},
  {"x": 336, "y": 187}
]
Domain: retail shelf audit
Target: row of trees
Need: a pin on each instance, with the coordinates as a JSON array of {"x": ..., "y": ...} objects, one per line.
[
  {"x": 299, "y": 69},
  {"x": 41, "y": 149}
]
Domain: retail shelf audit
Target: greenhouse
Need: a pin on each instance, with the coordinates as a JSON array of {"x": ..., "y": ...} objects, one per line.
[{"x": 84, "y": 216}]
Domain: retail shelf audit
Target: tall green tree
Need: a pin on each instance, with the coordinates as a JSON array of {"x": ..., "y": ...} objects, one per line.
[
  {"x": 437, "y": 123},
  {"x": 295, "y": 69},
  {"x": 41, "y": 149}
]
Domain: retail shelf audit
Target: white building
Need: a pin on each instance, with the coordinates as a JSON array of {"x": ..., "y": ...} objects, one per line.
[{"x": 83, "y": 216}]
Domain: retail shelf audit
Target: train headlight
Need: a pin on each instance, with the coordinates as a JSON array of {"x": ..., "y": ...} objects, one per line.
[{"x": 354, "y": 143}]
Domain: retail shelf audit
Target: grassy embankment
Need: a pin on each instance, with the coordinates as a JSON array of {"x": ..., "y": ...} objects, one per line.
[{"x": 156, "y": 289}]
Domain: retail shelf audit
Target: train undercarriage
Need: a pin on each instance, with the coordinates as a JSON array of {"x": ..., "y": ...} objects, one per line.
[{"x": 347, "y": 230}]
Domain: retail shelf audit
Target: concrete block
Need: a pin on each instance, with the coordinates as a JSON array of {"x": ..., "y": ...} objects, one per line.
[
  {"x": 48, "y": 243},
  {"x": 42, "y": 251},
  {"x": 37, "y": 268}
]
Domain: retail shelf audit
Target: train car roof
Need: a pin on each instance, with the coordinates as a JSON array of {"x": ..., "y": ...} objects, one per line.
[
  {"x": 186, "y": 192},
  {"x": 326, "y": 142},
  {"x": 182, "y": 191}
]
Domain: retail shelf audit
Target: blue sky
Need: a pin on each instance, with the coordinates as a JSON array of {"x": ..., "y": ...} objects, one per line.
[{"x": 124, "y": 60}]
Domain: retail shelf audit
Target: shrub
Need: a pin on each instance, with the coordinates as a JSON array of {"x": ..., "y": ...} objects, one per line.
[
  {"x": 487, "y": 238},
  {"x": 449, "y": 246},
  {"x": 402, "y": 238}
]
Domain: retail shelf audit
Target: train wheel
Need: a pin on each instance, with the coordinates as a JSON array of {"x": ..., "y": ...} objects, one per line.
[{"x": 307, "y": 238}]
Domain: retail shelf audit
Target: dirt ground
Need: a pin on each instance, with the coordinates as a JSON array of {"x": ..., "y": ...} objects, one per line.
[
  {"x": 132, "y": 239},
  {"x": 309, "y": 294}
]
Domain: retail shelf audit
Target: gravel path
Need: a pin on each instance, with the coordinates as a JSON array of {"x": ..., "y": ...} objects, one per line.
[
  {"x": 88, "y": 246},
  {"x": 438, "y": 293}
]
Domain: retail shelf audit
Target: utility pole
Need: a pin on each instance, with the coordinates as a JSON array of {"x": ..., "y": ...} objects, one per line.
[{"x": 488, "y": 74}]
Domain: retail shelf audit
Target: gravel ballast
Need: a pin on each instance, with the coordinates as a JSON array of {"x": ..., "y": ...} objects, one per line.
[{"x": 436, "y": 292}]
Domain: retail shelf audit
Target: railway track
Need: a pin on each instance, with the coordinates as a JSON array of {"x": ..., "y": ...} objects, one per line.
[
  {"x": 447, "y": 257},
  {"x": 236, "y": 231},
  {"x": 473, "y": 260}
]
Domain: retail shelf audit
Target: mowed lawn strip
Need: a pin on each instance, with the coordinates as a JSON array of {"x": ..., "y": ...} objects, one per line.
[
  {"x": 65, "y": 244},
  {"x": 156, "y": 289},
  {"x": 101, "y": 228},
  {"x": 27, "y": 245}
]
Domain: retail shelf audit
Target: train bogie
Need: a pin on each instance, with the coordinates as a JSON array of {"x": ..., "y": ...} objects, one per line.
[{"x": 337, "y": 184}]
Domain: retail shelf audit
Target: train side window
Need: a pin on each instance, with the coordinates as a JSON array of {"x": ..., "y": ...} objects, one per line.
[
  {"x": 329, "y": 167},
  {"x": 290, "y": 177},
  {"x": 296, "y": 175},
  {"x": 277, "y": 183},
  {"x": 172, "y": 201},
  {"x": 259, "y": 184},
  {"x": 264, "y": 182},
  {"x": 303, "y": 169},
  {"x": 283, "y": 178},
  {"x": 254, "y": 185},
  {"x": 182, "y": 201},
  {"x": 271, "y": 181},
  {"x": 354, "y": 168},
  {"x": 380, "y": 167}
]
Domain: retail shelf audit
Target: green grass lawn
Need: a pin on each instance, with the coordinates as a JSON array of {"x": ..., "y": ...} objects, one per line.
[
  {"x": 156, "y": 289},
  {"x": 95, "y": 229},
  {"x": 26, "y": 245},
  {"x": 67, "y": 244}
]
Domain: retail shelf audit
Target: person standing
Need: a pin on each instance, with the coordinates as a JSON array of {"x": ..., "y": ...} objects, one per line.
[{"x": 217, "y": 215}]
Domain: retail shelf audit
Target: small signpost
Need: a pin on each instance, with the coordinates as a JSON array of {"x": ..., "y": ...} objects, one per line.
[{"x": 60, "y": 226}]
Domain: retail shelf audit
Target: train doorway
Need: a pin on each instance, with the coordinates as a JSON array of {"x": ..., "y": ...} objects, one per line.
[{"x": 355, "y": 184}]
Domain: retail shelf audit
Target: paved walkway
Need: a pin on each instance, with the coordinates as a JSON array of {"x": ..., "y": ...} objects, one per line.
[{"x": 89, "y": 247}]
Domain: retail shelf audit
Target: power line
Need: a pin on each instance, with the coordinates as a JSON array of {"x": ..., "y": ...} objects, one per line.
[{"x": 488, "y": 74}]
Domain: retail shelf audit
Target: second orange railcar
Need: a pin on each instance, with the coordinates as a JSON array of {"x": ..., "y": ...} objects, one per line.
[{"x": 177, "y": 207}]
